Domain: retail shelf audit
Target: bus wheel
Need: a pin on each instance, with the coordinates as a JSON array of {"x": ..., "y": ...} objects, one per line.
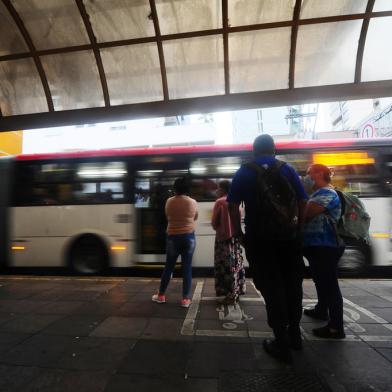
[
  {"x": 88, "y": 256},
  {"x": 353, "y": 261}
]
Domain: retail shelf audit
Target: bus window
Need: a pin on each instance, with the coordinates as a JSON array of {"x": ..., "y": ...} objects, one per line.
[
  {"x": 300, "y": 162},
  {"x": 85, "y": 193},
  {"x": 353, "y": 171},
  {"x": 112, "y": 190},
  {"x": 207, "y": 172},
  {"x": 70, "y": 183},
  {"x": 356, "y": 172},
  {"x": 388, "y": 173},
  {"x": 152, "y": 188},
  {"x": 101, "y": 170}
]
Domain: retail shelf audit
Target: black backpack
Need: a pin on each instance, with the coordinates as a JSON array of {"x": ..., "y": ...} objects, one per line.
[{"x": 277, "y": 204}]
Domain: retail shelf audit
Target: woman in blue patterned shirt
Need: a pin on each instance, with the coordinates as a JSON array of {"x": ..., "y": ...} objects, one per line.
[{"x": 323, "y": 250}]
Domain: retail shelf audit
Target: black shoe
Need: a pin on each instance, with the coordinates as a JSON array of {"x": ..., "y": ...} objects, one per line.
[
  {"x": 279, "y": 353},
  {"x": 295, "y": 338},
  {"x": 313, "y": 313},
  {"x": 326, "y": 333}
]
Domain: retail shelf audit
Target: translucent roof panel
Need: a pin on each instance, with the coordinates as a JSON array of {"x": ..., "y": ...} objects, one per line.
[
  {"x": 194, "y": 66},
  {"x": 73, "y": 80},
  {"x": 326, "y": 53},
  {"x": 52, "y": 23},
  {"x": 382, "y": 5},
  {"x": 257, "y": 55},
  {"x": 188, "y": 15},
  {"x": 21, "y": 89},
  {"x": 321, "y": 8},
  {"x": 377, "y": 58},
  {"x": 114, "y": 20},
  {"x": 11, "y": 41},
  {"x": 133, "y": 73},
  {"x": 245, "y": 12}
]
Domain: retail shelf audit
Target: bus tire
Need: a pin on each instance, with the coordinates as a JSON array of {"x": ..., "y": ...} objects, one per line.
[{"x": 88, "y": 255}]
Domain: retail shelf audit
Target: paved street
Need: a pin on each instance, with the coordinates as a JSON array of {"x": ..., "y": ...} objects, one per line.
[{"x": 105, "y": 334}]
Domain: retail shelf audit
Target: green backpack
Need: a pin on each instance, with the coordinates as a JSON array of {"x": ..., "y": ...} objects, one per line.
[{"x": 354, "y": 221}]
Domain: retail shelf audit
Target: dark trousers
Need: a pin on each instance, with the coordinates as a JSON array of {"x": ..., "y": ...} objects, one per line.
[
  {"x": 277, "y": 269},
  {"x": 323, "y": 263}
]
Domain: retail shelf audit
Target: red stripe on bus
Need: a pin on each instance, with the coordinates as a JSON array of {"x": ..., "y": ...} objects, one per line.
[{"x": 289, "y": 144}]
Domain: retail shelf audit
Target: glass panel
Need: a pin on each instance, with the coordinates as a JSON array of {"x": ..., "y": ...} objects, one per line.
[
  {"x": 96, "y": 193},
  {"x": 133, "y": 73},
  {"x": 259, "y": 60},
  {"x": 355, "y": 177},
  {"x": 326, "y": 53},
  {"x": 11, "y": 41},
  {"x": 388, "y": 174},
  {"x": 207, "y": 172},
  {"x": 115, "y": 20},
  {"x": 21, "y": 90},
  {"x": 320, "y": 8},
  {"x": 73, "y": 79},
  {"x": 179, "y": 16},
  {"x": 48, "y": 22},
  {"x": 216, "y": 167},
  {"x": 359, "y": 179},
  {"x": 377, "y": 60},
  {"x": 102, "y": 170},
  {"x": 69, "y": 183},
  {"x": 153, "y": 187},
  {"x": 194, "y": 67},
  {"x": 382, "y": 5},
  {"x": 245, "y": 12}
]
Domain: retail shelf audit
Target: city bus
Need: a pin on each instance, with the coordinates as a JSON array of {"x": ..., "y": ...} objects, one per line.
[{"x": 93, "y": 210}]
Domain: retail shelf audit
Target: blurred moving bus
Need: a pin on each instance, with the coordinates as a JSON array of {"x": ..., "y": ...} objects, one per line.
[{"x": 97, "y": 209}]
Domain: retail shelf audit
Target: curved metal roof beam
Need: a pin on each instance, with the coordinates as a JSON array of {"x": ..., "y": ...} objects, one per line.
[
  {"x": 195, "y": 34},
  {"x": 95, "y": 48},
  {"x": 293, "y": 46},
  {"x": 362, "y": 41},
  {"x": 225, "y": 21},
  {"x": 238, "y": 101},
  {"x": 29, "y": 42},
  {"x": 154, "y": 16}
]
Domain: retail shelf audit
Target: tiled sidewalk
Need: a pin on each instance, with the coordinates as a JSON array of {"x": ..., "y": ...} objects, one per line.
[{"x": 105, "y": 334}]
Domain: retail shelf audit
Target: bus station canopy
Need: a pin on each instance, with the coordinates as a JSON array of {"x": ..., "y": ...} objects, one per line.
[{"x": 66, "y": 62}]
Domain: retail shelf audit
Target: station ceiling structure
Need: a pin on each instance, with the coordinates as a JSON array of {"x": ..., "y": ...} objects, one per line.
[{"x": 65, "y": 62}]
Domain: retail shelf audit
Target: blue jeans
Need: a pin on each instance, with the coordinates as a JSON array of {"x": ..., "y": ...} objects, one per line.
[{"x": 184, "y": 245}]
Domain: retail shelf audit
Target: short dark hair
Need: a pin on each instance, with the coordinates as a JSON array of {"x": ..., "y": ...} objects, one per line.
[
  {"x": 264, "y": 145},
  {"x": 224, "y": 185},
  {"x": 181, "y": 186},
  {"x": 326, "y": 171}
]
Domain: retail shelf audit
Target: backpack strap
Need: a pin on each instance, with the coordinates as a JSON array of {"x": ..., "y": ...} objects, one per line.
[
  {"x": 342, "y": 202},
  {"x": 254, "y": 166},
  {"x": 276, "y": 166}
]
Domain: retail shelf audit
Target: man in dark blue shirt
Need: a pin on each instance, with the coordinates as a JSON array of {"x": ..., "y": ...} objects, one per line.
[{"x": 276, "y": 264}]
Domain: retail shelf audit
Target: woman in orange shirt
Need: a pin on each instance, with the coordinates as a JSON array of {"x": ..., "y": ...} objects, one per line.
[
  {"x": 181, "y": 213},
  {"x": 229, "y": 269}
]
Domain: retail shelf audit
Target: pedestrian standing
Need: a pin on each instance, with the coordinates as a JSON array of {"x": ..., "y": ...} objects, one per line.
[
  {"x": 229, "y": 271},
  {"x": 323, "y": 249},
  {"x": 181, "y": 213},
  {"x": 274, "y": 200}
]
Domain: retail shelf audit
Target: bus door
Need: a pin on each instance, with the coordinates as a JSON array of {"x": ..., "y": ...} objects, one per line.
[
  {"x": 5, "y": 178},
  {"x": 387, "y": 182},
  {"x": 153, "y": 186}
]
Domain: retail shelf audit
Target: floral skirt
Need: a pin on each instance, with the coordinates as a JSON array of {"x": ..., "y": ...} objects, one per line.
[{"x": 229, "y": 269}]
